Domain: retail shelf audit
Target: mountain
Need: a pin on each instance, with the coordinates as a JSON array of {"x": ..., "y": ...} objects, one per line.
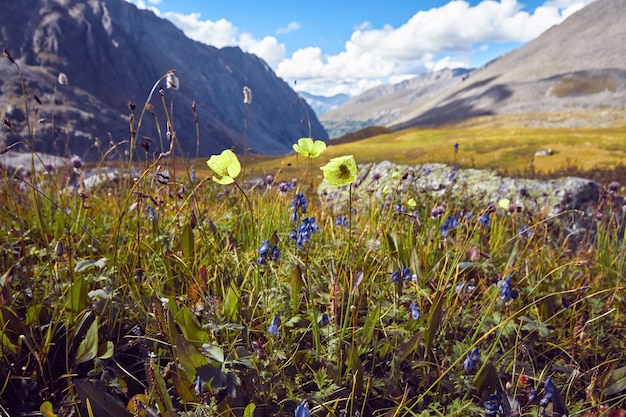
[
  {"x": 577, "y": 65},
  {"x": 385, "y": 104},
  {"x": 113, "y": 54},
  {"x": 323, "y": 104}
]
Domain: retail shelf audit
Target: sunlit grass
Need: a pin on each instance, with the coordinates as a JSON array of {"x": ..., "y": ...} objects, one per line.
[{"x": 163, "y": 295}]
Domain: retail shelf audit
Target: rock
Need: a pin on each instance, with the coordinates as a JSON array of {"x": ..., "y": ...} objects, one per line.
[
  {"x": 443, "y": 184},
  {"x": 544, "y": 152}
]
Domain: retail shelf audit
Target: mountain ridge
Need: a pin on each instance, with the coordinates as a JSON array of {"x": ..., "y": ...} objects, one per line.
[
  {"x": 577, "y": 65},
  {"x": 113, "y": 53}
]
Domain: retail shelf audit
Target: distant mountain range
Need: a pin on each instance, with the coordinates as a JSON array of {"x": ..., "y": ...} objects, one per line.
[
  {"x": 577, "y": 65},
  {"x": 113, "y": 54},
  {"x": 385, "y": 104},
  {"x": 323, "y": 104}
]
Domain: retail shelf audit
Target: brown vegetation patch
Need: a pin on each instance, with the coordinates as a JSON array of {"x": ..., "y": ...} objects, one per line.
[{"x": 584, "y": 84}]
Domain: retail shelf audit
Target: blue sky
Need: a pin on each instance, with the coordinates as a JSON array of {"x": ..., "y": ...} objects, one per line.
[{"x": 348, "y": 46}]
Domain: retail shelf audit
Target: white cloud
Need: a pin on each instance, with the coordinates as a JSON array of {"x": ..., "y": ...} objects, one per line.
[
  {"x": 443, "y": 37},
  {"x": 223, "y": 33},
  {"x": 291, "y": 27}
]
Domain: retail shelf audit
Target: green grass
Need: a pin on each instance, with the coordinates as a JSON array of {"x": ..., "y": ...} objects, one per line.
[
  {"x": 146, "y": 294},
  {"x": 509, "y": 150}
]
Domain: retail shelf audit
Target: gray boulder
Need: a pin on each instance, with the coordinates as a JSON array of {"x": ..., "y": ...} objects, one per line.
[{"x": 442, "y": 183}]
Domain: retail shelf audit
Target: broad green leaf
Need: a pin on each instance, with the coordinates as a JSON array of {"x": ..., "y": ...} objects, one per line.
[
  {"x": 106, "y": 350},
  {"x": 487, "y": 380},
  {"x": 406, "y": 349},
  {"x": 354, "y": 361},
  {"x": 296, "y": 286},
  {"x": 46, "y": 409},
  {"x": 77, "y": 298},
  {"x": 433, "y": 324},
  {"x": 249, "y": 410},
  {"x": 102, "y": 403},
  {"x": 189, "y": 356},
  {"x": 187, "y": 243},
  {"x": 88, "y": 348},
  {"x": 231, "y": 304},
  {"x": 617, "y": 382},
  {"x": 190, "y": 326}
]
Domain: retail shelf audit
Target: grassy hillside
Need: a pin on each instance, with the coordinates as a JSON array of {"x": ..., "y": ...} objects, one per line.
[{"x": 493, "y": 142}]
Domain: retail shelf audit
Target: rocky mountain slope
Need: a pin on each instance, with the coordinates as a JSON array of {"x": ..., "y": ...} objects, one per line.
[
  {"x": 112, "y": 54},
  {"x": 577, "y": 65}
]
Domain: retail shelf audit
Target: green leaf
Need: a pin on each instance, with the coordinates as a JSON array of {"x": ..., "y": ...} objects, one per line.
[
  {"x": 46, "y": 409},
  {"x": 617, "y": 382},
  {"x": 187, "y": 243},
  {"x": 189, "y": 356},
  {"x": 296, "y": 286},
  {"x": 231, "y": 304},
  {"x": 249, "y": 410},
  {"x": 406, "y": 349},
  {"x": 487, "y": 380},
  {"x": 354, "y": 361},
  {"x": 88, "y": 348},
  {"x": 190, "y": 326},
  {"x": 106, "y": 350},
  {"x": 370, "y": 324},
  {"x": 77, "y": 298},
  {"x": 433, "y": 324},
  {"x": 103, "y": 404}
]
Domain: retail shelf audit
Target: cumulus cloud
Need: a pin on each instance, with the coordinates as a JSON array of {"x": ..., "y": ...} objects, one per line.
[
  {"x": 291, "y": 27},
  {"x": 442, "y": 37},
  {"x": 438, "y": 38}
]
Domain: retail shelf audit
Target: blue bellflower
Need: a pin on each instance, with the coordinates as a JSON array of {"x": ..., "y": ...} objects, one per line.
[
  {"x": 274, "y": 327},
  {"x": 303, "y": 409},
  {"x": 342, "y": 221},
  {"x": 449, "y": 224},
  {"x": 415, "y": 311},
  {"x": 506, "y": 292},
  {"x": 471, "y": 359},
  {"x": 299, "y": 204},
  {"x": 302, "y": 233},
  {"x": 266, "y": 252}
]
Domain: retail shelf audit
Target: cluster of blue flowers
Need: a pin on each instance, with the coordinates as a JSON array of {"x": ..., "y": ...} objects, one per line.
[
  {"x": 299, "y": 205},
  {"x": 484, "y": 220},
  {"x": 506, "y": 292},
  {"x": 398, "y": 277},
  {"x": 471, "y": 359},
  {"x": 492, "y": 405},
  {"x": 268, "y": 253},
  {"x": 451, "y": 223},
  {"x": 342, "y": 221},
  {"x": 302, "y": 233},
  {"x": 548, "y": 392}
]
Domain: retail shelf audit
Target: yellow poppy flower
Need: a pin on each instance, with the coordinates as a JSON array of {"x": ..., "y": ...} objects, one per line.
[
  {"x": 308, "y": 148},
  {"x": 340, "y": 171},
  {"x": 226, "y": 165}
]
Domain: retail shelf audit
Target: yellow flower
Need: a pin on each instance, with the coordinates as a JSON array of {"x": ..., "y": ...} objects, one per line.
[
  {"x": 340, "y": 171},
  {"x": 411, "y": 203},
  {"x": 504, "y": 203},
  {"x": 226, "y": 165},
  {"x": 306, "y": 147}
]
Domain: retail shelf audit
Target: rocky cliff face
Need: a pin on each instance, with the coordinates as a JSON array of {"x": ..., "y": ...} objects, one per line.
[{"x": 112, "y": 54}]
